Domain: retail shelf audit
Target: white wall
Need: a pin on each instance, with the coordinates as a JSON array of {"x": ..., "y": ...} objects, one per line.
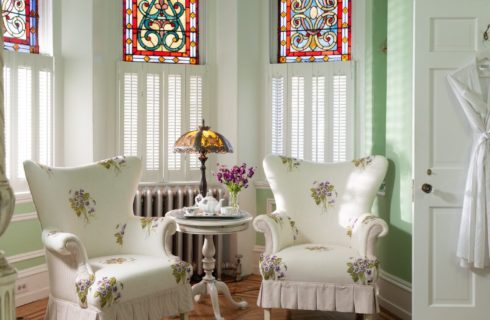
[{"x": 77, "y": 53}]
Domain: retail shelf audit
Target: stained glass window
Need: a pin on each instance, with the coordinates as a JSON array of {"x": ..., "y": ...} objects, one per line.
[
  {"x": 20, "y": 18},
  {"x": 314, "y": 30},
  {"x": 164, "y": 31}
]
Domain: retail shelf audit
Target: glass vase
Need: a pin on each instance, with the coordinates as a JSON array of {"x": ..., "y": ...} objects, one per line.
[{"x": 234, "y": 201}]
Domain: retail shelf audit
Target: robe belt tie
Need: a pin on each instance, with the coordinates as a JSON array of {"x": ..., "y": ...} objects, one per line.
[{"x": 484, "y": 137}]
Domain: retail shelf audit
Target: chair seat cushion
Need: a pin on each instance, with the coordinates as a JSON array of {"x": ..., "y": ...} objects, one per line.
[
  {"x": 318, "y": 263},
  {"x": 119, "y": 278}
]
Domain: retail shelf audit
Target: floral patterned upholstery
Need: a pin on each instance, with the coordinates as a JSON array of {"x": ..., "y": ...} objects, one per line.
[
  {"x": 104, "y": 263},
  {"x": 320, "y": 241}
]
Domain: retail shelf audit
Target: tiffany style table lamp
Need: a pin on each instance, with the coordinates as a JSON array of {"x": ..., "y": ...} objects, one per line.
[{"x": 203, "y": 141}]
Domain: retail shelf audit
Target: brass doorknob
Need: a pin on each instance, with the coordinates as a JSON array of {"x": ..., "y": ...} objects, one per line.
[{"x": 427, "y": 188}]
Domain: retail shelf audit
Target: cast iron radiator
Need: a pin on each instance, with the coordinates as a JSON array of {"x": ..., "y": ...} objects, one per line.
[{"x": 156, "y": 201}]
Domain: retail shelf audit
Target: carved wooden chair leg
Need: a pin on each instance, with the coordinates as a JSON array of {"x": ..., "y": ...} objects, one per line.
[
  {"x": 184, "y": 316},
  {"x": 267, "y": 314}
]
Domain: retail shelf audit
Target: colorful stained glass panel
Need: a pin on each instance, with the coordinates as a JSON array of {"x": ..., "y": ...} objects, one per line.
[
  {"x": 161, "y": 31},
  {"x": 20, "y": 18},
  {"x": 314, "y": 30}
]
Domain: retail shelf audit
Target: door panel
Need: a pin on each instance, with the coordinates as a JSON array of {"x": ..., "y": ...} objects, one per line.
[{"x": 447, "y": 34}]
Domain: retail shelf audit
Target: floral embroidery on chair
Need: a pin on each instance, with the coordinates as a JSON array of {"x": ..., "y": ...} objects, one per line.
[
  {"x": 318, "y": 248},
  {"x": 120, "y": 234},
  {"x": 324, "y": 194},
  {"x": 108, "y": 290},
  {"x": 350, "y": 227},
  {"x": 182, "y": 271},
  {"x": 291, "y": 163},
  {"x": 82, "y": 285},
  {"x": 46, "y": 169},
  {"x": 115, "y": 163},
  {"x": 119, "y": 260},
  {"x": 82, "y": 204},
  {"x": 149, "y": 224},
  {"x": 276, "y": 218},
  {"x": 294, "y": 228},
  {"x": 363, "y": 270},
  {"x": 363, "y": 162},
  {"x": 272, "y": 267}
]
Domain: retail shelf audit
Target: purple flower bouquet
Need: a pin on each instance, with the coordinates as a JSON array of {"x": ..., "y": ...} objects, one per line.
[{"x": 234, "y": 179}]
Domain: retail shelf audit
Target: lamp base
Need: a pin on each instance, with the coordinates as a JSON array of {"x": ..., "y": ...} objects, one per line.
[{"x": 203, "y": 186}]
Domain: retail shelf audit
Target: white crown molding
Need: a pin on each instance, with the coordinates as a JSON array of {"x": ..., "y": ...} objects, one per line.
[
  {"x": 26, "y": 256},
  {"x": 24, "y": 216}
]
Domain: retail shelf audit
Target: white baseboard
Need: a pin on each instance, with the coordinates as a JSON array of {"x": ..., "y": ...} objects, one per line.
[
  {"x": 36, "y": 282},
  {"x": 395, "y": 294}
]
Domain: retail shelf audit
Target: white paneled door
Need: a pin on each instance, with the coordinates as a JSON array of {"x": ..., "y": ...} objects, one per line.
[{"x": 448, "y": 33}]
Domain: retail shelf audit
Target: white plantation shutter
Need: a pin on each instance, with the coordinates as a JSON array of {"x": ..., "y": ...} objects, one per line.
[
  {"x": 195, "y": 112},
  {"x": 339, "y": 118},
  {"x": 7, "y": 91},
  {"x": 157, "y": 104},
  {"x": 152, "y": 159},
  {"x": 278, "y": 114},
  {"x": 130, "y": 114},
  {"x": 297, "y": 90},
  {"x": 318, "y": 119},
  {"x": 174, "y": 119},
  {"x": 45, "y": 116},
  {"x": 24, "y": 117},
  {"x": 311, "y": 118},
  {"x": 28, "y": 106}
]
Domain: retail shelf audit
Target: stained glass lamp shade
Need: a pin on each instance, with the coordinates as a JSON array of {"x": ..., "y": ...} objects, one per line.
[{"x": 203, "y": 141}]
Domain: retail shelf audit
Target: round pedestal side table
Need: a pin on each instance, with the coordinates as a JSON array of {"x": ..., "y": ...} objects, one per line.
[{"x": 210, "y": 227}]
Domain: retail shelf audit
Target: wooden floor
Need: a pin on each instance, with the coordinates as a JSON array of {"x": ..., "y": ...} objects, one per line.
[{"x": 246, "y": 289}]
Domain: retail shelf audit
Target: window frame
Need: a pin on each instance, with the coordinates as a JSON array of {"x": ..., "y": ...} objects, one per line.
[
  {"x": 357, "y": 64},
  {"x": 163, "y": 174}
]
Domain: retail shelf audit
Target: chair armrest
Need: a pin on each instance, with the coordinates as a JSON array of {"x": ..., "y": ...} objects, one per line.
[
  {"x": 366, "y": 230},
  {"x": 68, "y": 244},
  {"x": 150, "y": 236},
  {"x": 64, "y": 243},
  {"x": 279, "y": 229}
]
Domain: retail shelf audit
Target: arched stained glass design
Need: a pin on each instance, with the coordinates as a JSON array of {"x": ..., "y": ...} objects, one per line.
[
  {"x": 161, "y": 31},
  {"x": 20, "y": 18},
  {"x": 314, "y": 30}
]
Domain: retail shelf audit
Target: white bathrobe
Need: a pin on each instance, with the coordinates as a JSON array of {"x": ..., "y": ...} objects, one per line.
[{"x": 473, "y": 241}]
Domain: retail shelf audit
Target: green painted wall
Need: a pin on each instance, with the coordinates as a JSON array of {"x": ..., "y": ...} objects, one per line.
[
  {"x": 396, "y": 250},
  {"x": 22, "y": 237},
  {"x": 391, "y": 125}
]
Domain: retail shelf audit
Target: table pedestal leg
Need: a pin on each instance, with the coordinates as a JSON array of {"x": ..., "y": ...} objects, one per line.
[{"x": 209, "y": 284}]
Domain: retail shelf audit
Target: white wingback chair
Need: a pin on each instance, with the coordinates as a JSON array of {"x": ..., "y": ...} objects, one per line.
[
  {"x": 320, "y": 241},
  {"x": 105, "y": 263}
]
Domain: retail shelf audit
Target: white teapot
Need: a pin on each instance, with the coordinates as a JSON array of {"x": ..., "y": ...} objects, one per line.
[{"x": 209, "y": 204}]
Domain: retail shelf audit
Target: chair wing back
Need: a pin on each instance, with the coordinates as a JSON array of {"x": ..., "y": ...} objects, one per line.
[
  {"x": 324, "y": 199},
  {"x": 92, "y": 202}
]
